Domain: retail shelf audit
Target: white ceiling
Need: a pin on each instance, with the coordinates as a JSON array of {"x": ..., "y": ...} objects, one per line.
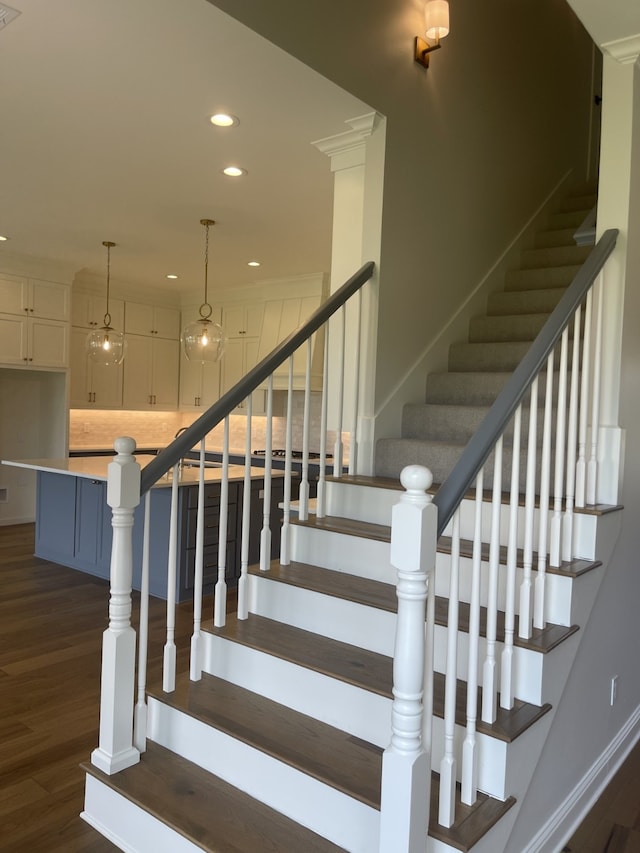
[
  {"x": 104, "y": 135},
  {"x": 608, "y": 21}
]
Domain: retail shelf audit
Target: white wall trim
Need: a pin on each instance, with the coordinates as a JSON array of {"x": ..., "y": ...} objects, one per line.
[
  {"x": 625, "y": 50},
  {"x": 572, "y": 811}
]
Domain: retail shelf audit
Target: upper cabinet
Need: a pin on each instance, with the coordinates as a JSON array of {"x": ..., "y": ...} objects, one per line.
[
  {"x": 151, "y": 369},
  {"x": 152, "y": 320},
  {"x": 34, "y": 322},
  {"x": 242, "y": 324},
  {"x": 199, "y": 383},
  {"x": 92, "y": 385},
  {"x": 242, "y": 319},
  {"x": 88, "y": 310}
]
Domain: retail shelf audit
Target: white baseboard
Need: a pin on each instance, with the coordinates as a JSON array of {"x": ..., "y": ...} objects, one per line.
[
  {"x": 27, "y": 519},
  {"x": 569, "y": 815}
]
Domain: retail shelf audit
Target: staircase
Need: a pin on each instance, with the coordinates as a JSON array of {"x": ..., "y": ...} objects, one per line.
[{"x": 279, "y": 745}]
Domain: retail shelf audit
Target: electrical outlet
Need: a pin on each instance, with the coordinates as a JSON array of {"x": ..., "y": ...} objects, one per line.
[
  {"x": 614, "y": 691},
  {"x": 86, "y": 427}
]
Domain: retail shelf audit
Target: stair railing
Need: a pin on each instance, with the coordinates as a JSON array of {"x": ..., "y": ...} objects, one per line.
[
  {"x": 123, "y": 728},
  {"x": 556, "y": 471}
]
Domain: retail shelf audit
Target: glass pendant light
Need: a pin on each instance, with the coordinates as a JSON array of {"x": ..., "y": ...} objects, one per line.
[
  {"x": 105, "y": 345},
  {"x": 204, "y": 339}
]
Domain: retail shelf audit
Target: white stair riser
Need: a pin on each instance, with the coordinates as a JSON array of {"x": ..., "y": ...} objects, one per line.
[
  {"x": 328, "y": 812},
  {"x": 558, "y": 588},
  {"x": 339, "y": 552},
  {"x": 345, "y": 706},
  {"x": 374, "y": 505},
  {"x": 129, "y": 827},
  {"x": 368, "y": 558},
  {"x": 373, "y": 629}
]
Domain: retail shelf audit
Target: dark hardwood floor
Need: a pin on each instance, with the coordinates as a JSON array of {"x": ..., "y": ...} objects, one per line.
[{"x": 51, "y": 622}]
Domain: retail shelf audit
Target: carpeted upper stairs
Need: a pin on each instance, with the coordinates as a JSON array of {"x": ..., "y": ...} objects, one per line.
[{"x": 435, "y": 432}]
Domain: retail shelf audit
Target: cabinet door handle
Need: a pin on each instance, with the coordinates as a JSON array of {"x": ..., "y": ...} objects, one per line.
[
  {"x": 25, "y": 358},
  {"x": 26, "y": 309},
  {"x": 31, "y": 309}
]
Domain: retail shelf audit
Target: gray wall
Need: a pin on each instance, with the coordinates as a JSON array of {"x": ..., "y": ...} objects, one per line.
[{"x": 473, "y": 145}]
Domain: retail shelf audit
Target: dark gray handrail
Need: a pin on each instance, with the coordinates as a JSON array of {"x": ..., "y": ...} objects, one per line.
[
  {"x": 172, "y": 454},
  {"x": 477, "y": 451}
]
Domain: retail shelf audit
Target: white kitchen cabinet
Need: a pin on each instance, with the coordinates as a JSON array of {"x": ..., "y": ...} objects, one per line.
[
  {"x": 239, "y": 357},
  {"x": 34, "y": 327},
  {"x": 242, "y": 319},
  {"x": 199, "y": 383},
  {"x": 281, "y": 317},
  {"x": 93, "y": 385},
  {"x": 153, "y": 320},
  {"x": 88, "y": 310},
  {"x": 151, "y": 369},
  {"x": 34, "y": 298}
]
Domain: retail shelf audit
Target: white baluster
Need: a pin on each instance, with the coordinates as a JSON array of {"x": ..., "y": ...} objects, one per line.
[
  {"x": 545, "y": 476},
  {"x": 592, "y": 466},
  {"x": 469, "y": 791},
  {"x": 555, "y": 537},
  {"x": 115, "y": 751},
  {"x": 353, "y": 439},
  {"x": 321, "y": 500},
  {"x": 525, "y": 619},
  {"x": 303, "y": 493},
  {"x": 195, "y": 668},
  {"x": 265, "y": 533},
  {"x": 338, "y": 450},
  {"x": 447, "y": 804},
  {"x": 506, "y": 659},
  {"x": 220, "y": 591},
  {"x": 285, "y": 544},
  {"x": 572, "y": 434},
  {"x": 404, "y": 812},
  {"x": 140, "y": 715},
  {"x": 243, "y": 591},
  {"x": 489, "y": 677},
  {"x": 581, "y": 467},
  {"x": 169, "y": 661}
]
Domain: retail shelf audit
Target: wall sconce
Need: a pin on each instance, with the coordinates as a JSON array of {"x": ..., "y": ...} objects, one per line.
[{"x": 436, "y": 17}]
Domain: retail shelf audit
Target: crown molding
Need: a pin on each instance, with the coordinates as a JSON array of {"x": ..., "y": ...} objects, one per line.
[
  {"x": 347, "y": 149},
  {"x": 625, "y": 50}
]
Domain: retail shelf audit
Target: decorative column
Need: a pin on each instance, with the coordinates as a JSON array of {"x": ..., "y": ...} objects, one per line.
[
  {"x": 406, "y": 766},
  {"x": 357, "y": 163},
  {"x": 116, "y": 751}
]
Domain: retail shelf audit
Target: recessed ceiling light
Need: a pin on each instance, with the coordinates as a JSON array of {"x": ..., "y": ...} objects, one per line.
[
  {"x": 171, "y": 275},
  {"x": 234, "y": 171},
  {"x": 2, "y": 238},
  {"x": 253, "y": 264},
  {"x": 224, "y": 120}
]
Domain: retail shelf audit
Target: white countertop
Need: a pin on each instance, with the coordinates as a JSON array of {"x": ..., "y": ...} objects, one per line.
[{"x": 95, "y": 468}]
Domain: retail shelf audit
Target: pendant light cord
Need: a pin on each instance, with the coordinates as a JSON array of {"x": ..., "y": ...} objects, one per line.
[
  {"x": 107, "y": 316},
  {"x": 204, "y": 313}
]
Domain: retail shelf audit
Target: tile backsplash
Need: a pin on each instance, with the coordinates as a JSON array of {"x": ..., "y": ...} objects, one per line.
[{"x": 99, "y": 429}]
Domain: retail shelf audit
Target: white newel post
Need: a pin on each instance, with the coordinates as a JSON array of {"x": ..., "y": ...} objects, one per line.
[
  {"x": 116, "y": 751},
  {"x": 406, "y": 766}
]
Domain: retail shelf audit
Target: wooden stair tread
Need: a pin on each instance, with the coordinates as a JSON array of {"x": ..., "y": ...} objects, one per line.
[
  {"x": 382, "y": 596},
  {"x": 182, "y": 795},
  {"x": 209, "y": 812},
  {"x": 471, "y": 823},
  {"x": 330, "y": 755},
  {"x": 362, "y": 668},
  {"x": 382, "y": 533},
  {"x": 336, "y": 584}
]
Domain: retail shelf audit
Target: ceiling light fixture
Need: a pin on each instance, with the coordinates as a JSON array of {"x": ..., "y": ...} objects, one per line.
[
  {"x": 234, "y": 171},
  {"x": 105, "y": 345},
  {"x": 3, "y": 238},
  {"x": 224, "y": 120},
  {"x": 203, "y": 339},
  {"x": 436, "y": 18},
  {"x": 171, "y": 275},
  {"x": 253, "y": 263}
]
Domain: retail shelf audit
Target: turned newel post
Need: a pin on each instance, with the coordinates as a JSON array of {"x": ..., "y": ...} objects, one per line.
[
  {"x": 406, "y": 770},
  {"x": 116, "y": 751}
]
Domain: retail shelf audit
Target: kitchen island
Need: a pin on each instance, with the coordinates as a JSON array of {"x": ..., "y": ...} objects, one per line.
[{"x": 73, "y": 520}]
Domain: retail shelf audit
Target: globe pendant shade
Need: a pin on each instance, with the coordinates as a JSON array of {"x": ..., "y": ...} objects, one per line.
[
  {"x": 204, "y": 341},
  {"x": 105, "y": 346}
]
